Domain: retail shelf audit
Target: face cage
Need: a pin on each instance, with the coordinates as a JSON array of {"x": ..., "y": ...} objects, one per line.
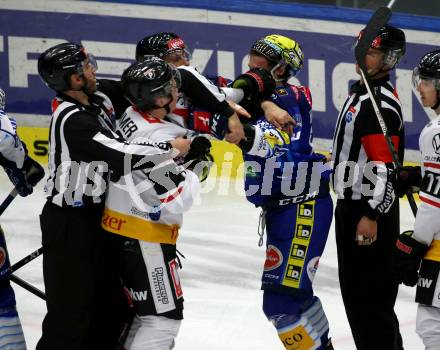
[
  {"x": 90, "y": 60},
  {"x": 179, "y": 53},
  {"x": 166, "y": 88},
  {"x": 417, "y": 78}
]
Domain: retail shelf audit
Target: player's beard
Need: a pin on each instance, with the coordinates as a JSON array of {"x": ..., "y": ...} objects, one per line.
[{"x": 89, "y": 85}]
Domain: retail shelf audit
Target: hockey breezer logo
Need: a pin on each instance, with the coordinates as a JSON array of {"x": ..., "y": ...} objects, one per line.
[{"x": 159, "y": 285}]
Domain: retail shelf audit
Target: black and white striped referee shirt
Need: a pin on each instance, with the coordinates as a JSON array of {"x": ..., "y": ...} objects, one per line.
[
  {"x": 83, "y": 149},
  {"x": 362, "y": 161}
]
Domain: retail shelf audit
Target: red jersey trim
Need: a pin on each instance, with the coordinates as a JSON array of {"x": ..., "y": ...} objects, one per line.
[
  {"x": 377, "y": 149},
  {"x": 429, "y": 201}
]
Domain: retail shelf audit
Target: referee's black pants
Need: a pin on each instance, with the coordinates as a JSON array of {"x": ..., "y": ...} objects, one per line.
[
  {"x": 366, "y": 278},
  {"x": 86, "y": 304}
]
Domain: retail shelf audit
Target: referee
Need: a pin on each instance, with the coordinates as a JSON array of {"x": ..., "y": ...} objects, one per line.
[
  {"x": 367, "y": 214},
  {"x": 85, "y": 300}
]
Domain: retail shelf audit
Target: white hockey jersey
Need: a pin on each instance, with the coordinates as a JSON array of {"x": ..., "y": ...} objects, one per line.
[
  {"x": 427, "y": 224},
  {"x": 149, "y": 205},
  {"x": 10, "y": 145}
]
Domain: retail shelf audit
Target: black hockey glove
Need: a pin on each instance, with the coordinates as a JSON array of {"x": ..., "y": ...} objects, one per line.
[
  {"x": 34, "y": 172},
  {"x": 407, "y": 179},
  {"x": 257, "y": 84},
  {"x": 198, "y": 159},
  {"x": 408, "y": 256}
]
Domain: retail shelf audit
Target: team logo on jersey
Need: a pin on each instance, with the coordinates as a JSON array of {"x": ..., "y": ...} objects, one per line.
[
  {"x": 349, "y": 115},
  {"x": 274, "y": 258},
  {"x": 436, "y": 143},
  {"x": 2, "y": 257}
]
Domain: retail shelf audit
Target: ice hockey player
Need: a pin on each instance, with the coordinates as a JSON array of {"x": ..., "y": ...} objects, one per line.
[
  {"x": 366, "y": 215},
  {"x": 203, "y": 104},
  {"x": 85, "y": 299},
  {"x": 290, "y": 182},
  {"x": 146, "y": 207},
  {"x": 418, "y": 251},
  {"x": 24, "y": 173}
]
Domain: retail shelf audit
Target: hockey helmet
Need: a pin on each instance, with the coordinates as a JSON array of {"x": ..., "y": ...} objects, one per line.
[
  {"x": 428, "y": 69},
  {"x": 2, "y": 100},
  {"x": 280, "y": 50},
  {"x": 58, "y": 63},
  {"x": 391, "y": 41},
  {"x": 143, "y": 82},
  {"x": 161, "y": 45}
]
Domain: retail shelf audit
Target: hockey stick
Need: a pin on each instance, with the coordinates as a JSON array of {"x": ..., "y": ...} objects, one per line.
[
  {"x": 27, "y": 286},
  {"x": 377, "y": 21},
  {"x": 19, "y": 281},
  {"x": 27, "y": 259},
  {"x": 8, "y": 200}
]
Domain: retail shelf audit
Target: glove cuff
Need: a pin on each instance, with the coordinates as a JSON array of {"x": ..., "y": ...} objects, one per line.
[{"x": 408, "y": 245}]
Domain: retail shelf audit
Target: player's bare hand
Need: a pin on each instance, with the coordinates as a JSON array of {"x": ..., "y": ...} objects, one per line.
[
  {"x": 366, "y": 231},
  {"x": 181, "y": 144},
  {"x": 278, "y": 117},
  {"x": 239, "y": 109},
  {"x": 236, "y": 131}
]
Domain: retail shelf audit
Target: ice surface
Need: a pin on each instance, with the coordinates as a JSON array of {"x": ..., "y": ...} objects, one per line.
[{"x": 220, "y": 275}]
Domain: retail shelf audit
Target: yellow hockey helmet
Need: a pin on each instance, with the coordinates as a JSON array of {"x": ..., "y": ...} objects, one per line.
[{"x": 280, "y": 50}]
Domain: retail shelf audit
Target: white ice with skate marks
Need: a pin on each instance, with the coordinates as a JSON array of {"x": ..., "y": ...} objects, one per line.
[{"x": 220, "y": 276}]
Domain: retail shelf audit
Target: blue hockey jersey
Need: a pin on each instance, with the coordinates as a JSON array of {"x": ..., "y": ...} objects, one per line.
[{"x": 281, "y": 166}]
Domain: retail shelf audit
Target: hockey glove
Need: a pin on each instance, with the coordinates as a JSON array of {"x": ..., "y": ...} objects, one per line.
[
  {"x": 407, "y": 179},
  {"x": 198, "y": 159},
  {"x": 17, "y": 177},
  {"x": 257, "y": 84},
  {"x": 408, "y": 256},
  {"x": 34, "y": 172}
]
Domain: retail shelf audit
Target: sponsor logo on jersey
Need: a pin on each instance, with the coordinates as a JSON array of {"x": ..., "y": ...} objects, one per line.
[
  {"x": 274, "y": 258},
  {"x": 138, "y": 295},
  {"x": 112, "y": 222},
  {"x": 2, "y": 257},
  {"x": 159, "y": 285},
  {"x": 298, "y": 251},
  {"x": 271, "y": 276},
  {"x": 434, "y": 159},
  {"x": 436, "y": 143},
  {"x": 174, "y": 266},
  {"x": 349, "y": 115},
  {"x": 424, "y": 283},
  {"x": 306, "y": 210},
  {"x": 297, "y": 338},
  {"x": 303, "y": 231},
  {"x": 293, "y": 272},
  {"x": 312, "y": 267}
]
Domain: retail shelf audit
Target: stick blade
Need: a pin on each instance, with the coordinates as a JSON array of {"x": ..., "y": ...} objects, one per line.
[{"x": 377, "y": 21}]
